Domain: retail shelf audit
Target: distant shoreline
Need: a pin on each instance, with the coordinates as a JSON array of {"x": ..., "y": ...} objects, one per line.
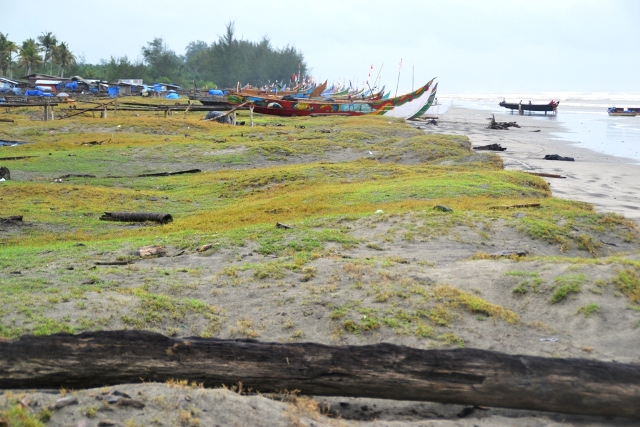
[{"x": 607, "y": 182}]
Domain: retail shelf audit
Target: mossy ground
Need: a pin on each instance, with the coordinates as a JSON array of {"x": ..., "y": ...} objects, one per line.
[{"x": 367, "y": 258}]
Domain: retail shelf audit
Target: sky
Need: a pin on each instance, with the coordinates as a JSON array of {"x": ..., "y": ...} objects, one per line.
[{"x": 471, "y": 46}]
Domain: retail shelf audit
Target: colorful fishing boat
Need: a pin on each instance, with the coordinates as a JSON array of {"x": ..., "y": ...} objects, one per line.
[
  {"x": 302, "y": 107},
  {"x": 628, "y": 112}
]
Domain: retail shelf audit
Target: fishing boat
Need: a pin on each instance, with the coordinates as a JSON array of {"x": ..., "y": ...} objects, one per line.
[
  {"x": 551, "y": 106},
  {"x": 414, "y": 109},
  {"x": 628, "y": 112},
  {"x": 303, "y": 107}
]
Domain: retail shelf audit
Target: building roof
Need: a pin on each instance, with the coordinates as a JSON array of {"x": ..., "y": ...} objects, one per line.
[{"x": 48, "y": 82}]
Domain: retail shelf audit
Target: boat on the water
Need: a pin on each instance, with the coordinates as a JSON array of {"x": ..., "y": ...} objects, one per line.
[
  {"x": 551, "y": 106},
  {"x": 308, "y": 107},
  {"x": 629, "y": 112}
]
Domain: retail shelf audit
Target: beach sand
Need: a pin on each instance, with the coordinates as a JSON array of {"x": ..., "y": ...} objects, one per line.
[
  {"x": 545, "y": 329},
  {"x": 610, "y": 184}
]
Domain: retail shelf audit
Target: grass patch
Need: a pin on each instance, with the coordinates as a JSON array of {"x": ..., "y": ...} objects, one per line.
[
  {"x": 589, "y": 309},
  {"x": 567, "y": 285}
]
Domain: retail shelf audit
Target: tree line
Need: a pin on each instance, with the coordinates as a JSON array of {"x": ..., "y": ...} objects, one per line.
[{"x": 223, "y": 63}]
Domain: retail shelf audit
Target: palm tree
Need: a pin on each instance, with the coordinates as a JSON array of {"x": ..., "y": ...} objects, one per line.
[
  {"x": 7, "y": 47},
  {"x": 48, "y": 43},
  {"x": 29, "y": 54},
  {"x": 63, "y": 56}
]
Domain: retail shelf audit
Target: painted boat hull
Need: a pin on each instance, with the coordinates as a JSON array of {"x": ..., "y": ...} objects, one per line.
[
  {"x": 290, "y": 108},
  {"x": 629, "y": 112}
]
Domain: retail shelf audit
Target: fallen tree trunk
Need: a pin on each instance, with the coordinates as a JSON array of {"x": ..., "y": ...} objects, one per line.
[
  {"x": 387, "y": 371},
  {"x": 169, "y": 173},
  {"x": 546, "y": 175},
  {"x": 162, "y": 218}
]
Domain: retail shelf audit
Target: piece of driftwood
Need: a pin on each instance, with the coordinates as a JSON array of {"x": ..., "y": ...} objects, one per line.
[
  {"x": 522, "y": 205},
  {"x": 162, "y": 218},
  {"x": 169, "y": 173},
  {"x": 280, "y": 225},
  {"x": 114, "y": 262},
  {"x": 500, "y": 125},
  {"x": 558, "y": 157},
  {"x": 386, "y": 371},
  {"x": 509, "y": 253},
  {"x": 77, "y": 175},
  {"x": 17, "y": 157},
  {"x": 546, "y": 175},
  {"x": 492, "y": 147},
  {"x": 12, "y": 218},
  {"x": 151, "y": 251},
  {"x": 7, "y": 120}
]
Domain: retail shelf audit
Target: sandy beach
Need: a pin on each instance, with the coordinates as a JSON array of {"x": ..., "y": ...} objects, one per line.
[
  {"x": 610, "y": 183},
  {"x": 383, "y": 273}
]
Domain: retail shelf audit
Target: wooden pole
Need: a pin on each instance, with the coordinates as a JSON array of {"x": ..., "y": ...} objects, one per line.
[
  {"x": 251, "y": 115},
  {"x": 385, "y": 371}
]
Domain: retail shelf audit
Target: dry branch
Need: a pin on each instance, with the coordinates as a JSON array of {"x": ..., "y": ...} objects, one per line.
[{"x": 387, "y": 371}]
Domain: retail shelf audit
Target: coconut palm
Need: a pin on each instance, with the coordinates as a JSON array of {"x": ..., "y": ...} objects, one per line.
[
  {"x": 63, "y": 56},
  {"x": 29, "y": 54},
  {"x": 7, "y": 47},
  {"x": 48, "y": 43}
]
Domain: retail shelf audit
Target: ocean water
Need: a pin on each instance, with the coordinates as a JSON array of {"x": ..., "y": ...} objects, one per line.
[{"x": 583, "y": 117}]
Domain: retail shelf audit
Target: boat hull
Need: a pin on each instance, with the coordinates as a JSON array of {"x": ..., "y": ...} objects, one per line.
[
  {"x": 629, "y": 112},
  {"x": 552, "y": 106}
]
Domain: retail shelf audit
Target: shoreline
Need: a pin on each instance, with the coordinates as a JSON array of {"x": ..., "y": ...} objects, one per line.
[{"x": 607, "y": 182}]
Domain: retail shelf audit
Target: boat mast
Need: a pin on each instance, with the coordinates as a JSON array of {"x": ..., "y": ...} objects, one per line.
[{"x": 398, "y": 84}]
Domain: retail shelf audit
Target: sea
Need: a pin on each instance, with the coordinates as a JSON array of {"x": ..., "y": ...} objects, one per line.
[{"x": 583, "y": 117}]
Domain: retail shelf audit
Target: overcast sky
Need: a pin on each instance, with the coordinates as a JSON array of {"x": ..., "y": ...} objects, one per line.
[{"x": 497, "y": 46}]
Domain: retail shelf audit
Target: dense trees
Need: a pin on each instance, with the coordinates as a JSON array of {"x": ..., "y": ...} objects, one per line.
[{"x": 222, "y": 63}]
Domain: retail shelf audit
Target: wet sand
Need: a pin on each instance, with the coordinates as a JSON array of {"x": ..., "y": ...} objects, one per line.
[{"x": 610, "y": 184}]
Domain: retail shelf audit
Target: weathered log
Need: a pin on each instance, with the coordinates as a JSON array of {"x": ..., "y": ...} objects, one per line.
[
  {"x": 77, "y": 175},
  {"x": 558, "y": 157},
  {"x": 546, "y": 175},
  {"x": 17, "y": 157},
  {"x": 387, "y": 371},
  {"x": 7, "y": 120},
  {"x": 492, "y": 147},
  {"x": 12, "y": 218},
  {"x": 169, "y": 173},
  {"x": 162, "y": 218},
  {"x": 521, "y": 205},
  {"x": 114, "y": 262}
]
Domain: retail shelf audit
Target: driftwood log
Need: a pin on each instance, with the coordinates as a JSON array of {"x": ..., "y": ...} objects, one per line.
[
  {"x": 500, "y": 125},
  {"x": 169, "y": 173},
  {"x": 162, "y": 218},
  {"x": 546, "y": 175},
  {"x": 492, "y": 147},
  {"x": 387, "y": 371},
  {"x": 558, "y": 157}
]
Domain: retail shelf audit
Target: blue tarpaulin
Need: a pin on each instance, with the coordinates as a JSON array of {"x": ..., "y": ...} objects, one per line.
[
  {"x": 72, "y": 86},
  {"x": 217, "y": 92},
  {"x": 32, "y": 92},
  {"x": 157, "y": 87},
  {"x": 113, "y": 91},
  {"x": 173, "y": 95}
]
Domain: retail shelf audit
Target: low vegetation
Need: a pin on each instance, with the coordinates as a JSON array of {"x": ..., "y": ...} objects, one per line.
[{"x": 353, "y": 193}]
